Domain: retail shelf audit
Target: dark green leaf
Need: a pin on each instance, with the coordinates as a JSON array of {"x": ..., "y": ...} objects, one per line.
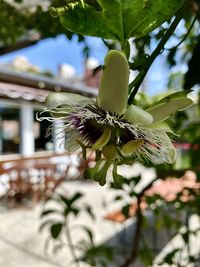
[
  {"x": 117, "y": 198},
  {"x": 56, "y": 230},
  {"x": 146, "y": 256},
  {"x": 72, "y": 210},
  {"x": 75, "y": 197},
  {"x": 89, "y": 234},
  {"x": 89, "y": 210},
  {"x": 69, "y": 201},
  {"x": 125, "y": 210},
  {"x": 50, "y": 211}
]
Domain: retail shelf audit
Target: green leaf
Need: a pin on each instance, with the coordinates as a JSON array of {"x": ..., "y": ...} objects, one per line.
[
  {"x": 125, "y": 210},
  {"x": 90, "y": 212},
  {"x": 146, "y": 256},
  {"x": 69, "y": 201},
  {"x": 56, "y": 229},
  {"x": 89, "y": 234},
  {"x": 75, "y": 197},
  {"x": 50, "y": 211},
  {"x": 117, "y": 19}
]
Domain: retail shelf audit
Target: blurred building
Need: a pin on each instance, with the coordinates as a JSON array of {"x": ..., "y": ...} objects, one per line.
[
  {"x": 92, "y": 72},
  {"x": 22, "y": 95}
]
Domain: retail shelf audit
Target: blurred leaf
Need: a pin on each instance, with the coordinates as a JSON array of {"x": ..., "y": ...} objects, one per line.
[
  {"x": 50, "y": 211},
  {"x": 72, "y": 210},
  {"x": 57, "y": 247},
  {"x": 56, "y": 230},
  {"x": 125, "y": 210},
  {"x": 185, "y": 236},
  {"x": 69, "y": 201},
  {"x": 192, "y": 76},
  {"x": 89, "y": 234},
  {"x": 170, "y": 256},
  {"x": 75, "y": 197},
  {"x": 89, "y": 210},
  {"x": 117, "y": 198},
  {"x": 146, "y": 256},
  {"x": 171, "y": 56},
  {"x": 99, "y": 255}
]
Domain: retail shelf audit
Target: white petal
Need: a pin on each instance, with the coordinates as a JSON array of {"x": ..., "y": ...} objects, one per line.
[{"x": 67, "y": 100}]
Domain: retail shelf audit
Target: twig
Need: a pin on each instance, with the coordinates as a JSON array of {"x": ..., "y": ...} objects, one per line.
[
  {"x": 185, "y": 36},
  {"x": 71, "y": 245},
  {"x": 139, "y": 221},
  {"x": 139, "y": 79},
  {"x": 132, "y": 257}
]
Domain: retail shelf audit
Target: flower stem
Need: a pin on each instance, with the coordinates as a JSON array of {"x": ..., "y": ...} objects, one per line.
[{"x": 135, "y": 85}]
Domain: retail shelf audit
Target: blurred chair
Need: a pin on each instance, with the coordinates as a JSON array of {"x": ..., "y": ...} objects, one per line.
[{"x": 33, "y": 180}]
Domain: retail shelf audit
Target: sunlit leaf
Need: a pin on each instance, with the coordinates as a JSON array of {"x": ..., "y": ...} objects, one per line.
[{"x": 118, "y": 19}]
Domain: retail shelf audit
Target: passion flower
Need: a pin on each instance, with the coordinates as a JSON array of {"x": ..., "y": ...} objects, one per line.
[{"x": 117, "y": 133}]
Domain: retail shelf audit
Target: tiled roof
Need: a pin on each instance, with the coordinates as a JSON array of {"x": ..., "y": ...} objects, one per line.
[
  {"x": 27, "y": 87},
  {"x": 13, "y": 91}
]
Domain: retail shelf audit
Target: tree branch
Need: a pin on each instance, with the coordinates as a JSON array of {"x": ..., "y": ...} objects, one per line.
[
  {"x": 139, "y": 221},
  {"x": 139, "y": 79}
]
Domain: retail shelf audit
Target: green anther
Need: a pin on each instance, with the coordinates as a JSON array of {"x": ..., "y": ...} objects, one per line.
[
  {"x": 132, "y": 146},
  {"x": 57, "y": 11},
  {"x": 113, "y": 91},
  {"x": 103, "y": 139},
  {"x": 109, "y": 151}
]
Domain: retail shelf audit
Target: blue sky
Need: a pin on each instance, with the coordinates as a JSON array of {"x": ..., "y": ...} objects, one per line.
[{"x": 51, "y": 52}]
